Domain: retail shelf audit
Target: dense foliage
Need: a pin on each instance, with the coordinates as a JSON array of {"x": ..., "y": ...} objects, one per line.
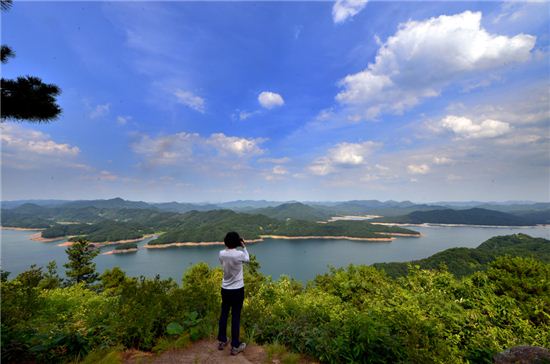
[
  {"x": 464, "y": 261},
  {"x": 354, "y": 314}
]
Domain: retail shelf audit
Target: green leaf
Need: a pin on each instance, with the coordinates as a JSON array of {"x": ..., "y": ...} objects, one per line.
[{"x": 174, "y": 328}]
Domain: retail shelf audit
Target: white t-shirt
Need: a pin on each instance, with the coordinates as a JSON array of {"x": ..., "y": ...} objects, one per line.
[{"x": 232, "y": 262}]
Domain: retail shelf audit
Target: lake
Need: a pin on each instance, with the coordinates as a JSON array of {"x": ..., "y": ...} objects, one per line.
[{"x": 301, "y": 259}]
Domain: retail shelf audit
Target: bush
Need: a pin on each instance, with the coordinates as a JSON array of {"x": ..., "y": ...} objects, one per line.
[{"x": 350, "y": 315}]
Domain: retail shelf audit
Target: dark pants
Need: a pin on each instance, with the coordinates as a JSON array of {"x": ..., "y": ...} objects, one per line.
[{"x": 232, "y": 299}]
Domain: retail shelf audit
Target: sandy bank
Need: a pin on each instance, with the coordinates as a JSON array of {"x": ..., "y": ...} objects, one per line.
[
  {"x": 106, "y": 243},
  {"x": 191, "y": 243},
  {"x": 38, "y": 237},
  {"x": 120, "y": 251},
  {"x": 21, "y": 229},
  {"x": 324, "y": 237},
  {"x": 401, "y": 234},
  {"x": 263, "y": 237}
]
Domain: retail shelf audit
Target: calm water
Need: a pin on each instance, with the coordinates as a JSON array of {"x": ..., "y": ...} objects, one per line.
[{"x": 301, "y": 259}]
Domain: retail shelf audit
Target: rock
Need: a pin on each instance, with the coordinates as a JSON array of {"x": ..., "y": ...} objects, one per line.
[{"x": 523, "y": 355}]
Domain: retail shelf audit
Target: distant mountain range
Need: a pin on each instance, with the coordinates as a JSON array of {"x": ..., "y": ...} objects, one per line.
[
  {"x": 473, "y": 216},
  {"x": 44, "y": 213}
]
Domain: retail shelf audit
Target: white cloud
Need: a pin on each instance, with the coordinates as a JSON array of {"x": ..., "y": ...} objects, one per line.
[
  {"x": 321, "y": 166},
  {"x": 442, "y": 160},
  {"x": 243, "y": 114},
  {"x": 235, "y": 145},
  {"x": 27, "y": 149},
  {"x": 269, "y": 99},
  {"x": 99, "y": 111},
  {"x": 107, "y": 176},
  {"x": 275, "y": 174},
  {"x": 343, "y": 154},
  {"x": 418, "y": 168},
  {"x": 281, "y": 160},
  {"x": 190, "y": 100},
  {"x": 344, "y": 9},
  {"x": 423, "y": 57},
  {"x": 279, "y": 170},
  {"x": 466, "y": 128},
  {"x": 351, "y": 153},
  {"x": 27, "y": 141},
  {"x": 122, "y": 120},
  {"x": 167, "y": 149},
  {"x": 185, "y": 147}
]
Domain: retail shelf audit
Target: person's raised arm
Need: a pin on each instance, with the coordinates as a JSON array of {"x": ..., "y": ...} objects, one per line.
[{"x": 245, "y": 258}]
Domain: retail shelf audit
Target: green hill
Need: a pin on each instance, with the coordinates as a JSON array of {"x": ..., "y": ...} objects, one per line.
[
  {"x": 295, "y": 211},
  {"x": 474, "y": 216},
  {"x": 464, "y": 261}
]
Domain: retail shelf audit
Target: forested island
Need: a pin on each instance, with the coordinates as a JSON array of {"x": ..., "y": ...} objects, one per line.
[{"x": 464, "y": 311}]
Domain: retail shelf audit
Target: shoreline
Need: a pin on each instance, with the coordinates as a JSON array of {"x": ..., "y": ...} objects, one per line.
[
  {"x": 264, "y": 237},
  {"x": 334, "y": 237},
  {"x": 419, "y": 235},
  {"x": 38, "y": 237},
  {"x": 428, "y": 224},
  {"x": 191, "y": 243},
  {"x": 107, "y": 243},
  {"x": 20, "y": 228},
  {"x": 120, "y": 251}
]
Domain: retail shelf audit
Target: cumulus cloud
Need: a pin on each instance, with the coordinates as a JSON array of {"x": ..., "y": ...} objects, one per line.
[
  {"x": 423, "y": 57},
  {"x": 190, "y": 100},
  {"x": 321, "y": 166},
  {"x": 342, "y": 10},
  {"x": 466, "y": 128},
  {"x": 442, "y": 160},
  {"x": 269, "y": 99},
  {"x": 24, "y": 148},
  {"x": 185, "y": 147},
  {"x": 276, "y": 173},
  {"x": 343, "y": 154},
  {"x": 27, "y": 141},
  {"x": 235, "y": 145},
  {"x": 418, "y": 168},
  {"x": 99, "y": 111},
  {"x": 166, "y": 149}
]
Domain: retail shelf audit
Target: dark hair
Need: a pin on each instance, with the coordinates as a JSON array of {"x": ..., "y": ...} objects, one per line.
[{"x": 232, "y": 240}]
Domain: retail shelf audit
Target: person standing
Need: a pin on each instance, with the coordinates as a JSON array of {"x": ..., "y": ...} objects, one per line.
[{"x": 232, "y": 260}]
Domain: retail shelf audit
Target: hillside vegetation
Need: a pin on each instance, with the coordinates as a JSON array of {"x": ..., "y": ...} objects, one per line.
[
  {"x": 474, "y": 216},
  {"x": 213, "y": 225},
  {"x": 356, "y": 314},
  {"x": 464, "y": 261}
]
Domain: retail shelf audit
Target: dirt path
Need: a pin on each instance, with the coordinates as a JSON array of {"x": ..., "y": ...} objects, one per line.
[{"x": 204, "y": 351}]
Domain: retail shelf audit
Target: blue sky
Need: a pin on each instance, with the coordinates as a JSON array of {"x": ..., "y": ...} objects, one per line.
[{"x": 210, "y": 101}]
